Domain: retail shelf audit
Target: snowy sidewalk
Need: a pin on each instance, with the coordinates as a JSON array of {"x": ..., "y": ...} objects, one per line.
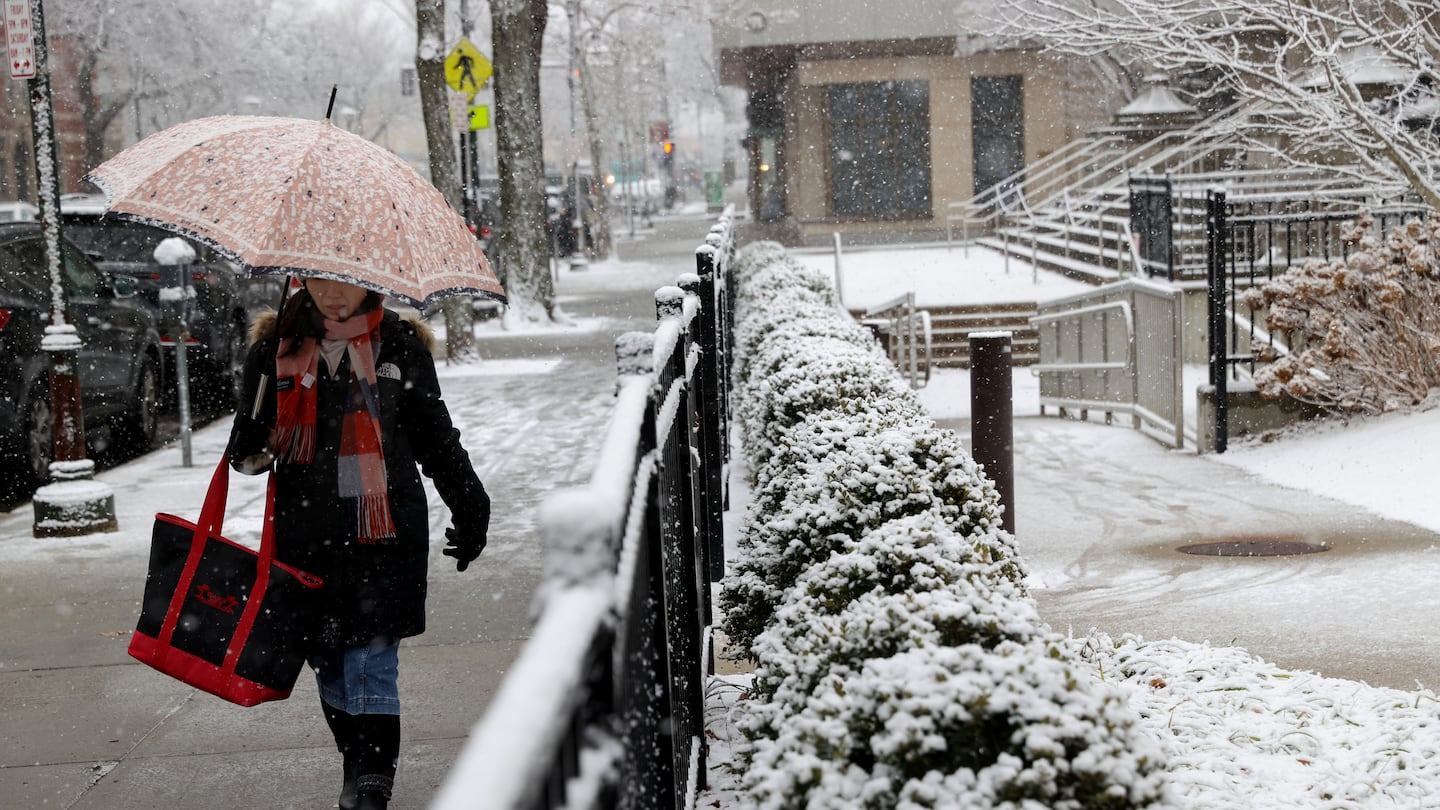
[
  {"x": 1101, "y": 510},
  {"x": 85, "y": 726}
]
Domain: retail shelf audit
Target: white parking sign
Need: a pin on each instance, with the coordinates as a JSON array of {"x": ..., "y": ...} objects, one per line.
[{"x": 19, "y": 39}]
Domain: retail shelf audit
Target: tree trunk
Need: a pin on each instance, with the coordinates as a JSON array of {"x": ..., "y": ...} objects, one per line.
[
  {"x": 435, "y": 106},
  {"x": 517, "y": 30},
  {"x": 600, "y": 227}
]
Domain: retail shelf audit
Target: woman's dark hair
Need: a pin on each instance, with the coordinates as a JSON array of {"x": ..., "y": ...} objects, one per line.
[{"x": 300, "y": 319}]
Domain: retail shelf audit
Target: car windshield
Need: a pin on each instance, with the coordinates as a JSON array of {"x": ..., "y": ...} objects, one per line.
[{"x": 116, "y": 240}]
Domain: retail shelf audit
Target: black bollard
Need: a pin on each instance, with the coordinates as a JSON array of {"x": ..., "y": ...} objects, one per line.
[{"x": 992, "y": 435}]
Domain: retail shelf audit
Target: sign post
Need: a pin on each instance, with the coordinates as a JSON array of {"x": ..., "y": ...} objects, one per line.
[
  {"x": 466, "y": 71},
  {"x": 72, "y": 504}
]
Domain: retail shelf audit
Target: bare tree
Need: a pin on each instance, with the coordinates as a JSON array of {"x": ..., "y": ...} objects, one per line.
[
  {"x": 1354, "y": 78},
  {"x": 156, "y": 62},
  {"x": 517, "y": 32},
  {"x": 430, "y": 55}
]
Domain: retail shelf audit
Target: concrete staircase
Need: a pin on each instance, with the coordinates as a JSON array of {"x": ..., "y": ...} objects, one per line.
[{"x": 950, "y": 329}]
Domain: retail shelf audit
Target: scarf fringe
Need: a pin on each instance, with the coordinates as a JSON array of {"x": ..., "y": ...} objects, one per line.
[
  {"x": 375, "y": 522},
  {"x": 295, "y": 443}
]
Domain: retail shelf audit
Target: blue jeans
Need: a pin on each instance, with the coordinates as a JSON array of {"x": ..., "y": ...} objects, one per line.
[{"x": 360, "y": 680}]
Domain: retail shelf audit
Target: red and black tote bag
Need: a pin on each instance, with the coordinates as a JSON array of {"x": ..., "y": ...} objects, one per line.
[{"x": 218, "y": 615}]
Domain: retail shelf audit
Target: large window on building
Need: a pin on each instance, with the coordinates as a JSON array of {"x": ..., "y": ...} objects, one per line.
[{"x": 880, "y": 149}]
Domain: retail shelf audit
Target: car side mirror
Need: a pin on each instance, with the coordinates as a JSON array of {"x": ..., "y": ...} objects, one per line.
[{"x": 124, "y": 286}]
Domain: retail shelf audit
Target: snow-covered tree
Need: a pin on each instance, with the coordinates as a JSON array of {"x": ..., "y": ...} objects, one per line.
[
  {"x": 1350, "y": 85},
  {"x": 146, "y": 64},
  {"x": 518, "y": 29}
]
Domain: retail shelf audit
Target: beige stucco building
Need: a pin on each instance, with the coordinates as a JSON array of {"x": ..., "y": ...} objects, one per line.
[{"x": 871, "y": 118}]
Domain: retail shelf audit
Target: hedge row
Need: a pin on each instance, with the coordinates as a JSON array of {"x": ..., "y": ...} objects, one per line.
[{"x": 899, "y": 661}]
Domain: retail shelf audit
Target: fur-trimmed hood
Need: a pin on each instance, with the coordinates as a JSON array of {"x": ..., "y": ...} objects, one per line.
[{"x": 263, "y": 326}]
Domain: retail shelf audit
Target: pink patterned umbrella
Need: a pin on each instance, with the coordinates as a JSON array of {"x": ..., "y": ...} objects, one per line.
[{"x": 288, "y": 195}]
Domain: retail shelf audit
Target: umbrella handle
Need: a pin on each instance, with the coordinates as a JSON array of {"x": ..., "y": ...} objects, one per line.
[
  {"x": 259, "y": 396},
  {"x": 259, "y": 402}
]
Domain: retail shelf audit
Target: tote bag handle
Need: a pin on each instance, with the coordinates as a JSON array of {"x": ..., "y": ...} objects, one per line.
[
  {"x": 212, "y": 512},
  {"x": 212, "y": 518}
]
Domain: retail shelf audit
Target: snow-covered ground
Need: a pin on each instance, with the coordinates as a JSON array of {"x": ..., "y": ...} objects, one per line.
[{"x": 1238, "y": 731}]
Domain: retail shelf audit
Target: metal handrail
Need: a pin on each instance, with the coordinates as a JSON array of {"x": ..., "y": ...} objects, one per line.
[{"x": 906, "y": 350}]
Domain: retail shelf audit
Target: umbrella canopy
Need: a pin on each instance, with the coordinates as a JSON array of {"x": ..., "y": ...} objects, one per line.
[{"x": 288, "y": 195}]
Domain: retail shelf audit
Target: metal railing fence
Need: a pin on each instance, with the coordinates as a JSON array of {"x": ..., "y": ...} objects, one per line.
[{"x": 604, "y": 706}]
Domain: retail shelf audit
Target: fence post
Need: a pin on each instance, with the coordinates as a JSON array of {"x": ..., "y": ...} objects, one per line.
[
  {"x": 1216, "y": 242},
  {"x": 710, "y": 435},
  {"x": 679, "y": 535},
  {"x": 992, "y": 431},
  {"x": 644, "y": 694}
]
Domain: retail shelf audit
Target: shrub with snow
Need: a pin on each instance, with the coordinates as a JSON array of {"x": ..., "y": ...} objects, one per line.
[
  {"x": 1013, "y": 726},
  {"x": 1366, "y": 329},
  {"x": 910, "y": 583},
  {"x": 800, "y": 519},
  {"x": 900, "y": 663},
  {"x": 812, "y": 381}
]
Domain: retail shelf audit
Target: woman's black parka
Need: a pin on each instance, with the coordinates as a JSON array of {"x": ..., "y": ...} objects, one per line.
[{"x": 371, "y": 590}]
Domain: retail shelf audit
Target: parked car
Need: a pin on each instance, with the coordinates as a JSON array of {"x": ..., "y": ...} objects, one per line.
[
  {"x": 119, "y": 363},
  {"x": 223, "y": 298}
]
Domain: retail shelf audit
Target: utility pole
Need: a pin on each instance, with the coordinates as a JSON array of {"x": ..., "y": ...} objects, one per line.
[{"x": 72, "y": 504}]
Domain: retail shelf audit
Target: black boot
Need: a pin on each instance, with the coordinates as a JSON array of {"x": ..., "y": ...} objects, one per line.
[
  {"x": 342, "y": 726},
  {"x": 377, "y": 752}
]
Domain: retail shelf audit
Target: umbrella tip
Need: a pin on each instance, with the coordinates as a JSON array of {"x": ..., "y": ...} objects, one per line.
[{"x": 329, "y": 108}]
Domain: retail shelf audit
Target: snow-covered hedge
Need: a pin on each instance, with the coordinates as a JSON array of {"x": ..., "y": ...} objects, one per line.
[{"x": 899, "y": 661}]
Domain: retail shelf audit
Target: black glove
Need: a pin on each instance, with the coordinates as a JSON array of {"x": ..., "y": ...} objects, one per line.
[{"x": 463, "y": 546}]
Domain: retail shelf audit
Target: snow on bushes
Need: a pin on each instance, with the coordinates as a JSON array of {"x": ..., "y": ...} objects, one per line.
[
  {"x": 1011, "y": 726},
  {"x": 900, "y": 663},
  {"x": 810, "y": 381},
  {"x": 910, "y": 583},
  {"x": 1366, "y": 329},
  {"x": 800, "y": 518}
]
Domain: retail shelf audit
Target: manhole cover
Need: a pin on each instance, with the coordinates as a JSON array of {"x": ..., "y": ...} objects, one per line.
[{"x": 1255, "y": 546}]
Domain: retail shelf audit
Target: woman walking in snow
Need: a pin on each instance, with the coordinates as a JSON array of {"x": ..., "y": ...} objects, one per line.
[{"x": 355, "y": 408}]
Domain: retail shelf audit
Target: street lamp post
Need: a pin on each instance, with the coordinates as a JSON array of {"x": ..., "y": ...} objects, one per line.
[{"x": 72, "y": 504}]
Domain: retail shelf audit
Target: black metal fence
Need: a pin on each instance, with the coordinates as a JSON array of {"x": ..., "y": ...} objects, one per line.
[
  {"x": 604, "y": 707},
  {"x": 1250, "y": 241}
]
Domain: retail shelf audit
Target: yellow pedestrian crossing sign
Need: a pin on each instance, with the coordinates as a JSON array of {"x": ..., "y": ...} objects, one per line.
[{"x": 466, "y": 69}]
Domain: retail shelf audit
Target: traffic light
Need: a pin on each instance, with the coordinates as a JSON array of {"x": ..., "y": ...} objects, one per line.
[{"x": 667, "y": 153}]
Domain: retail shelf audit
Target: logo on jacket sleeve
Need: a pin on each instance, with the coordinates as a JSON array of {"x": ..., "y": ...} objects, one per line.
[{"x": 389, "y": 371}]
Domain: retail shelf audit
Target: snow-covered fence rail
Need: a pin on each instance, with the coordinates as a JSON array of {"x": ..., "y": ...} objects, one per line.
[{"x": 603, "y": 708}]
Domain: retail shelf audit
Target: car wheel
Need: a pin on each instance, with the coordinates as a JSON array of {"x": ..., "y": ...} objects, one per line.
[
  {"x": 39, "y": 435},
  {"x": 137, "y": 428}
]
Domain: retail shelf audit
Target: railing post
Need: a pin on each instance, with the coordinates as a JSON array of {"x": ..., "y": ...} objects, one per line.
[
  {"x": 644, "y": 693},
  {"x": 991, "y": 419},
  {"x": 710, "y": 432},
  {"x": 679, "y": 538},
  {"x": 1216, "y": 243}
]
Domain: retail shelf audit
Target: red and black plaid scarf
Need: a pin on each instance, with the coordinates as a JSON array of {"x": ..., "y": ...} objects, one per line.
[{"x": 361, "y": 464}]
